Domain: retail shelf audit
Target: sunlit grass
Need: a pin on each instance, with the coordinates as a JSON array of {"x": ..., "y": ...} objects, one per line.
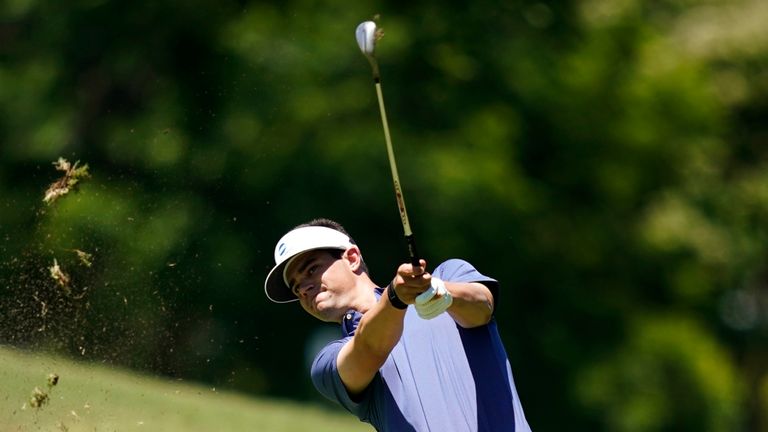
[{"x": 98, "y": 398}]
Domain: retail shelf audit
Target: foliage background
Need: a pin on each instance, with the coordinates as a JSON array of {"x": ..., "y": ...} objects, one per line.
[{"x": 604, "y": 159}]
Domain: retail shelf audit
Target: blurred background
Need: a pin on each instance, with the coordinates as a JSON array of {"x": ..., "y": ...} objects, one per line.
[{"x": 605, "y": 160}]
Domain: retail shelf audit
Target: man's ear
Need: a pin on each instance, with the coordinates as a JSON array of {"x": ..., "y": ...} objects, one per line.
[{"x": 355, "y": 259}]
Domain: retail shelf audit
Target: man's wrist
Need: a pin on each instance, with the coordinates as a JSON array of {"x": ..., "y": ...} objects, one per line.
[
  {"x": 438, "y": 285},
  {"x": 394, "y": 300},
  {"x": 434, "y": 301}
]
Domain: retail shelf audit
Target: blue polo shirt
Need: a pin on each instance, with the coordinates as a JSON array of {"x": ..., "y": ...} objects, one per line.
[{"x": 440, "y": 377}]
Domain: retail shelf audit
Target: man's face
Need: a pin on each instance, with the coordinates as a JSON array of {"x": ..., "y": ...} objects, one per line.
[{"x": 321, "y": 281}]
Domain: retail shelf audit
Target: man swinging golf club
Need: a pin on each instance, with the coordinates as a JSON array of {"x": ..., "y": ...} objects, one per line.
[
  {"x": 446, "y": 371},
  {"x": 422, "y": 353}
]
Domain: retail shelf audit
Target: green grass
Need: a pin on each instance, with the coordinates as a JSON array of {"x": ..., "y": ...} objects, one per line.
[{"x": 96, "y": 398}]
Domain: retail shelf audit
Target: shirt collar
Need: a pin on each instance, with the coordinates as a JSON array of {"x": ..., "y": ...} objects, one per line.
[{"x": 352, "y": 317}]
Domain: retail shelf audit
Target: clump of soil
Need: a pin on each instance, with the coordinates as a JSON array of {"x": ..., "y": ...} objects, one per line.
[
  {"x": 85, "y": 258},
  {"x": 62, "y": 279},
  {"x": 72, "y": 176},
  {"x": 53, "y": 379},
  {"x": 40, "y": 397}
]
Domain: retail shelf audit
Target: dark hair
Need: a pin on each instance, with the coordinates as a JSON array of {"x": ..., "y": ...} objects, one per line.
[{"x": 332, "y": 224}]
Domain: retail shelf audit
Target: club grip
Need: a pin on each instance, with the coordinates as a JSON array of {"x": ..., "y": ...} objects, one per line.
[{"x": 413, "y": 255}]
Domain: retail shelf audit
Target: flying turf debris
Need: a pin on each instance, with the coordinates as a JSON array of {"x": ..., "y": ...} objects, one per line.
[
  {"x": 73, "y": 174},
  {"x": 40, "y": 397}
]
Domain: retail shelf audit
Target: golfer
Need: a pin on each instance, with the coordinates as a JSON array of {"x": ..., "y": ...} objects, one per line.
[{"x": 421, "y": 354}]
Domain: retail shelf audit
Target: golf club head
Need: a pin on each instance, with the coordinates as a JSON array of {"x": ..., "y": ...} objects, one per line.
[
  {"x": 367, "y": 34},
  {"x": 366, "y": 37}
]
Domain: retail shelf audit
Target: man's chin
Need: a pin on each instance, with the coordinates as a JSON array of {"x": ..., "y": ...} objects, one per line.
[{"x": 327, "y": 314}]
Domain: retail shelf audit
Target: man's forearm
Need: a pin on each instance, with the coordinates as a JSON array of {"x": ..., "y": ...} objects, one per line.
[
  {"x": 376, "y": 335},
  {"x": 381, "y": 327},
  {"x": 472, "y": 304}
]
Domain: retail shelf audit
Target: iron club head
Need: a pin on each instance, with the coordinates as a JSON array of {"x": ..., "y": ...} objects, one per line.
[
  {"x": 366, "y": 37},
  {"x": 367, "y": 34}
]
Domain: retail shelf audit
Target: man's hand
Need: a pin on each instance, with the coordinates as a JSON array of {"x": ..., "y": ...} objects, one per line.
[
  {"x": 433, "y": 301},
  {"x": 414, "y": 285},
  {"x": 411, "y": 281}
]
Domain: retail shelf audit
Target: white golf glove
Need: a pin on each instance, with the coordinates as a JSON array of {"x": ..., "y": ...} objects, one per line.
[{"x": 433, "y": 301}]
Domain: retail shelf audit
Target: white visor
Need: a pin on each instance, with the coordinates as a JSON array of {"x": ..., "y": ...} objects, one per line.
[{"x": 292, "y": 244}]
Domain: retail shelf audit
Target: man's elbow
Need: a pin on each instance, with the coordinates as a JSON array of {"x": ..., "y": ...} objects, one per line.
[{"x": 480, "y": 316}]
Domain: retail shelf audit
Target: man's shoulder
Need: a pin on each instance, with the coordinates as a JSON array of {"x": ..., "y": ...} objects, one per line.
[
  {"x": 458, "y": 270},
  {"x": 453, "y": 264},
  {"x": 325, "y": 359}
]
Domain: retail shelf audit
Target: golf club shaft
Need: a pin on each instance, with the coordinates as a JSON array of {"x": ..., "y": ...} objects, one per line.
[{"x": 396, "y": 180}]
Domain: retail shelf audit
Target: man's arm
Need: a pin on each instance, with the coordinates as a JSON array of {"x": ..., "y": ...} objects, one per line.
[
  {"x": 377, "y": 333},
  {"x": 472, "y": 303}
]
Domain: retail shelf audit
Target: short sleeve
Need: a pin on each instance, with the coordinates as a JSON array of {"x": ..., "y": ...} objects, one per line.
[
  {"x": 458, "y": 270},
  {"x": 325, "y": 377}
]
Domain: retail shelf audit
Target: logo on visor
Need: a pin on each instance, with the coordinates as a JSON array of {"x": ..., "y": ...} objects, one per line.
[{"x": 281, "y": 249}]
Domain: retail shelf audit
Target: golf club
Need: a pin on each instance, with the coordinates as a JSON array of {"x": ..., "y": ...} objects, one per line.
[{"x": 367, "y": 35}]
